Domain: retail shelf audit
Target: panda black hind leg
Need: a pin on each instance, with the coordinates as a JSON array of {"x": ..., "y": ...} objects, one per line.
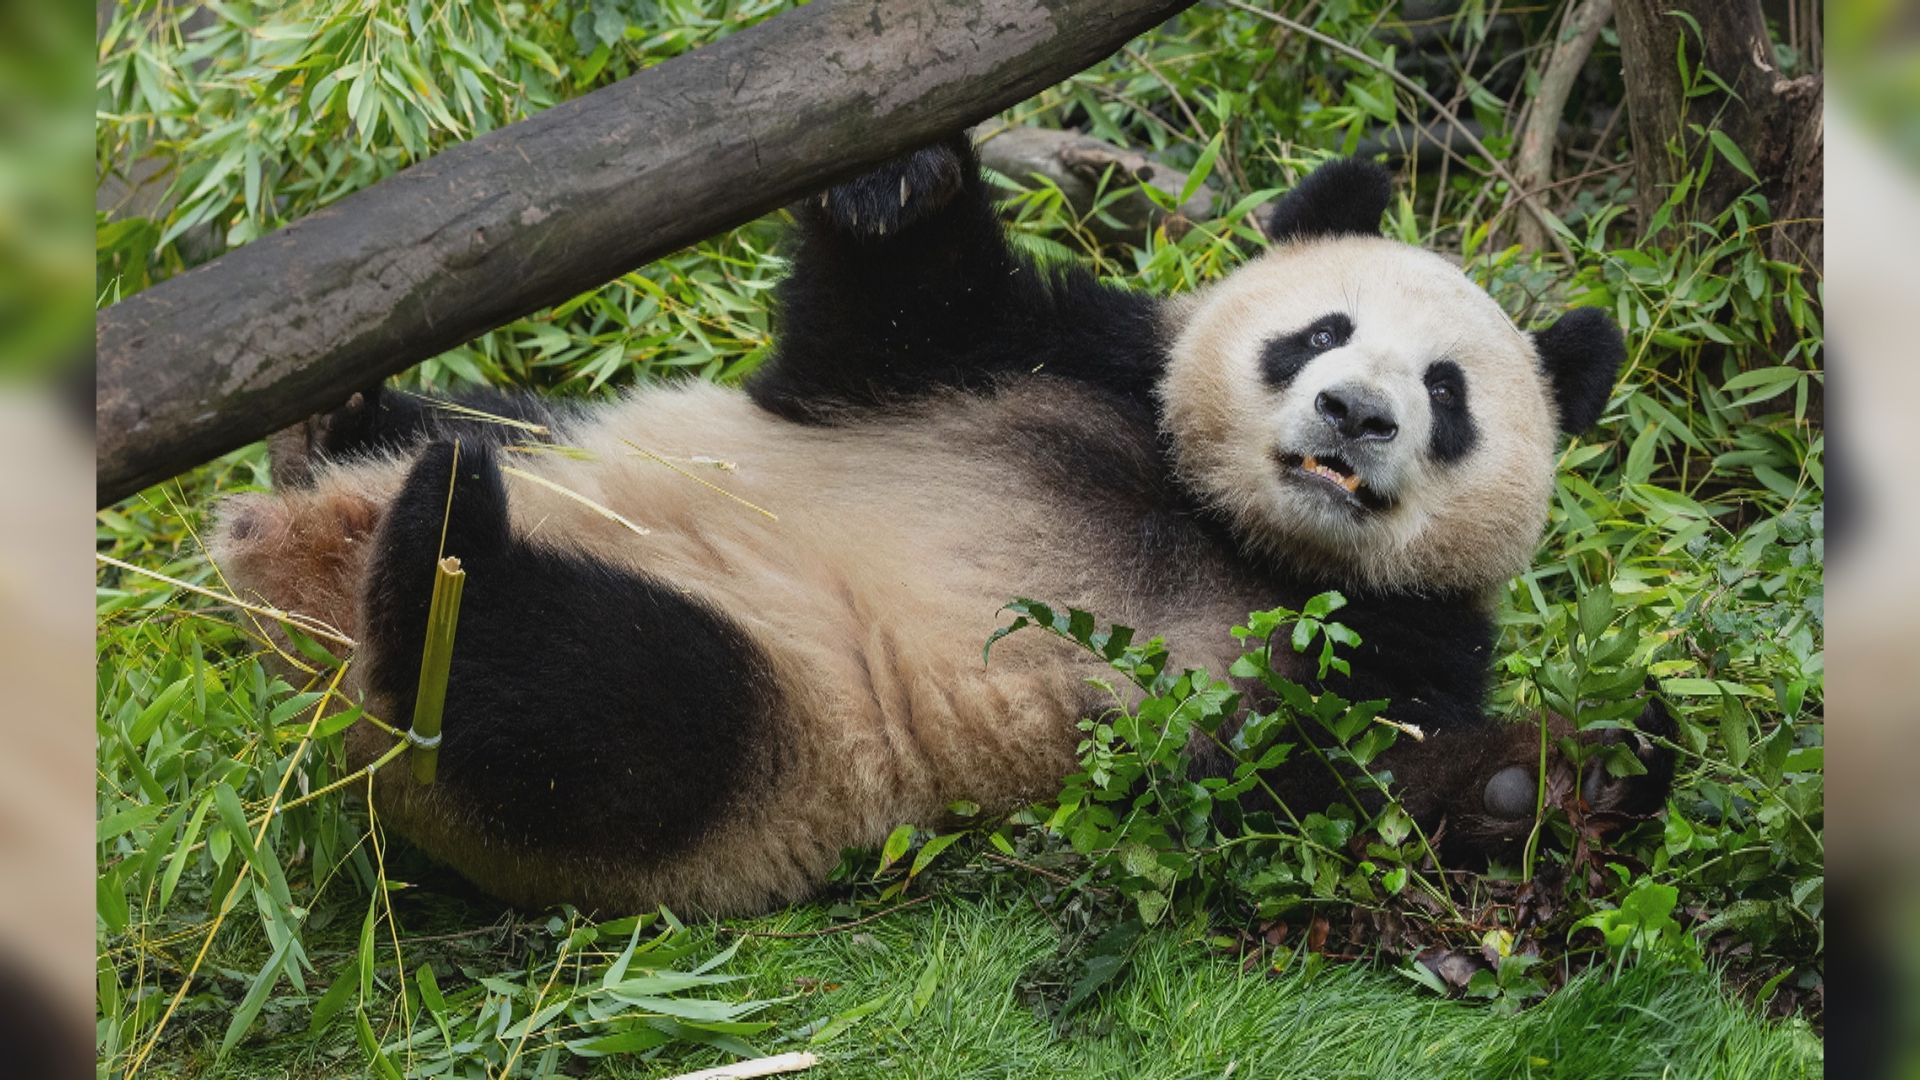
[
  {"x": 897, "y": 276},
  {"x": 381, "y": 418},
  {"x": 598, "y": 725},
  {"x": 904, "y": 283}
]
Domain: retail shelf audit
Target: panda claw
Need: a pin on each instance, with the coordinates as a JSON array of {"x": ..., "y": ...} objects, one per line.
[{"x": 900, "y": 193}]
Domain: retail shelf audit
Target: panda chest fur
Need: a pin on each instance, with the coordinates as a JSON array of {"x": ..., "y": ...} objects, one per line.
[{"x": 869, "y": 562}]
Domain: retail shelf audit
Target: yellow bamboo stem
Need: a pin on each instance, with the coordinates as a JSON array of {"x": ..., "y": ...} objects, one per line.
[{"x": 436, "y": 658}]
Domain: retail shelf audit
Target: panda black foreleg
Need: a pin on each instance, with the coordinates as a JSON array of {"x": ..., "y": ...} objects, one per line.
[{"x": 590, "y": 712}]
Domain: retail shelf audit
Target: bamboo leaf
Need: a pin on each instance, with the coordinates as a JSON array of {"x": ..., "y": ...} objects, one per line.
[
  {"x": 1732, "y": 153},
  {"x": 897, "y": 843},
  {"x": 256, "y": 996},
  {"x": 930, "y": 851}
]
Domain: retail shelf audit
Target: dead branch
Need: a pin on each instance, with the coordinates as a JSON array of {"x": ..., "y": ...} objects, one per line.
[{"x": 1533, "y": 162}]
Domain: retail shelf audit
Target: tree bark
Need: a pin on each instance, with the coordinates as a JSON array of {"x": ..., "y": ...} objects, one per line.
[
  {"x": 1774, "y": 120},
  {"x": 528, "y": 215}
]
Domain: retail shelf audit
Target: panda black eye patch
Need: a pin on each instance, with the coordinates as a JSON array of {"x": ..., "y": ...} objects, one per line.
[
  {"x": 1283, "y": 357},
  {"x": 1454, "y": 434}
]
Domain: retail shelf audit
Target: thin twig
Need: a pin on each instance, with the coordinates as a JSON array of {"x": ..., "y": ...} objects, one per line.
[
  {"x": 1493, "y": 221},
  {"x": 567, "y": 492},
  {"x": 559, "y": 960},
  {"x": 1546, "y": 220},
  {"x": 502, "y": 926},
  {"x": 483, "y": 416},
  {"x": 746, "y": 1070},
  {"x": 1606, "y": 137},
  {"x": 702, "y": 481},
  {"x": 304, "y": 623},
  {"x": 1140, "y": 109},
  {"x": 365, "y": 772},
  {"x": 1006, "y": 860},
  {"x": 1226, "y": 145}
]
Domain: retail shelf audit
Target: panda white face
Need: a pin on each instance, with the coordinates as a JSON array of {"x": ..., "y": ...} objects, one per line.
[{"x": 1359, "y": 407}]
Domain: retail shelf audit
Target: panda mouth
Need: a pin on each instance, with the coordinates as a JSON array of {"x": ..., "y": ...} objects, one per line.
[{"x": 1332, "y": 474}]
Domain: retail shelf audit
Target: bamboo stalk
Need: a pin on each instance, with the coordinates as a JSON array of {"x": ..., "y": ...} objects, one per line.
[{"x": 436, "y": 658}]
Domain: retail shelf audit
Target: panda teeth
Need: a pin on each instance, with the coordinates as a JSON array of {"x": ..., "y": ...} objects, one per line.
[{"x": 1351, "y": 482}]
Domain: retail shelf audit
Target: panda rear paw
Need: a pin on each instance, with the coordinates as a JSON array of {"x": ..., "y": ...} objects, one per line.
[
  {"x": 1626, "y": 774},
  {"x": 298, "y": 550},
  {"x": 1643, "y": 788},
  {"x": 900, "y": 193},
  {"x": 294, "y": 452}
]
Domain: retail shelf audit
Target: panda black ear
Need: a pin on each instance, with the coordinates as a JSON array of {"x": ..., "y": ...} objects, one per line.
[
  {"x": 1581, "y": 355},
  {"x": 1342, "y": 197}
]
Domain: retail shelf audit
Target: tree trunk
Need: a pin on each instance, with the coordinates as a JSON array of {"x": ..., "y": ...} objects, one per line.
[
  {"x": 1774, "y": 120},
  {"x": 528, "y": 215}
]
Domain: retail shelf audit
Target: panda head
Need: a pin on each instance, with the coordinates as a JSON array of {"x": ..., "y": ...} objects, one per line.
[{"x": 1357, "y": 407}]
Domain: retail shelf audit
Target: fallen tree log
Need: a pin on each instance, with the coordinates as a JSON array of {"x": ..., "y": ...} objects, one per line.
[{"x": 528, "y": 215}]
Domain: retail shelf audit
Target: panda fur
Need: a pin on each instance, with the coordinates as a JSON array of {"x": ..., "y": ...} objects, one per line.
[{"x": 699, "y": 704}]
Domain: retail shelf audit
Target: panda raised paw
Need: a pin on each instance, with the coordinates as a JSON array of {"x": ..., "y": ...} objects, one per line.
[{"x": 898, "y": 194}]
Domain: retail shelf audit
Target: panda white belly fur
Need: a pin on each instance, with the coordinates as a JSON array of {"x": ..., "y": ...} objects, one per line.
[{"x": 892, "y": 546}]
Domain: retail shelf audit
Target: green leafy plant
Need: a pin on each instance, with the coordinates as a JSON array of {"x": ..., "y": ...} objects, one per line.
[
  {"x": 1176, "y": 845},
  {"x": 1643, "y": 924}
]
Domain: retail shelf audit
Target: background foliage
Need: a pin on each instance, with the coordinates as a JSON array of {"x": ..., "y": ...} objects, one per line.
[{"x": 1685, "y": 547}]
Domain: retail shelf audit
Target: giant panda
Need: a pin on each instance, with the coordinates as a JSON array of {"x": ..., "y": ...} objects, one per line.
[{"x": 661, "y": 694}]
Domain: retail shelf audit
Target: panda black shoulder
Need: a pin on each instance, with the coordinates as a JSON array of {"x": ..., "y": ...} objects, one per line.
[{"x": 1058, "y": 323}]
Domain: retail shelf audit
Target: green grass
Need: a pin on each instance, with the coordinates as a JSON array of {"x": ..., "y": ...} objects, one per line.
[
  {"x": 937, "y": 991},
  {"x": 1186, "y": 1012}
]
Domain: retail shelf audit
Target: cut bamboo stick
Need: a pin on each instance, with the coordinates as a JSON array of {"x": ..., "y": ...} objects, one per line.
[{"x": 436, "y": 659}]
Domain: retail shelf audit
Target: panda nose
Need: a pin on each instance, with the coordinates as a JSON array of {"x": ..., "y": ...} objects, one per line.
[{"x": 1357, "y": 414}]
